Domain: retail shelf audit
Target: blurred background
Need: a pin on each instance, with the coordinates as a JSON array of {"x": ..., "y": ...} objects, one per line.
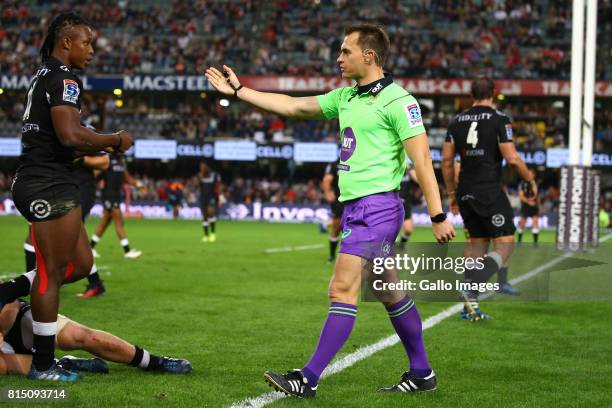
[{"x": 146, "y": 77}]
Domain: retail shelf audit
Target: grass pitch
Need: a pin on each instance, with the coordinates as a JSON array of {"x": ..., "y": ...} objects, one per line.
[{"x": 235, "y": 311}]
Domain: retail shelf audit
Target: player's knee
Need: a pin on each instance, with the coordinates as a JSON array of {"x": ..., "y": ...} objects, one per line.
[
  {"x": 82, "y": 337},
  {"x": 341, "y": 291}
]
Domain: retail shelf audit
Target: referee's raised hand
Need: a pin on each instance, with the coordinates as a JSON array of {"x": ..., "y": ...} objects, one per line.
[{"x": 225, "y": 82}]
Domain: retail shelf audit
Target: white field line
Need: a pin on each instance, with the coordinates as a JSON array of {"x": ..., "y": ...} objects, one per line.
[
  {"x": 295, "y": 248},
  {"x": 367, "y": 351}
]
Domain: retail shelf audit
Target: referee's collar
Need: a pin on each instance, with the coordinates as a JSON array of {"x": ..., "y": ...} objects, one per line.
[{"x": 374, "y": 88}]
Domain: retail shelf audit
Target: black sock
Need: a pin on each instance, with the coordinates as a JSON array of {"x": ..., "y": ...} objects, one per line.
[
  {"x": 125, "y": 244},
  {"x": 205, "y": 225},
  {"x": 535, "y": 237},
  {"x": 333, "y": 244},
  {"x": 30, "y": 257},
  {"x": 44, "y": 345},
  {"x": 94, "y": 279},
  {"x": 14, "y": 289},
  {"x": 470, "y": 276},
  {"x": 144, "y": 360},
  {"x": 502, "y": 275},
  {"x": 520, "y": 237},
  {"x": 94, "y": 241},
  {"x": 212, "y": 226},
  {"x": 476, "y": 275}
]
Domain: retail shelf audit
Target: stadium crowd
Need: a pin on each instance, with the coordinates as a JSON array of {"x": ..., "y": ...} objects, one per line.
[
  {"x": 283, "y": 37},
  {"x": 503, "y": 39}
]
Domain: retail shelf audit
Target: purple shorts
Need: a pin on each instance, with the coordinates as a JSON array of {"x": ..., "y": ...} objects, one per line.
[{"x": 370, "y": 225}]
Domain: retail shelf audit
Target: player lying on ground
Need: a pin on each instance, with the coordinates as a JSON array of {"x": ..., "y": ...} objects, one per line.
[{"x": 16, "y": 344}]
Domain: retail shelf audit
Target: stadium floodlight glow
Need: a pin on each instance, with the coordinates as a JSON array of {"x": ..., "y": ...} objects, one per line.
[
  {"x": 117, "y": 92},
  {"x": 119, "y": 103},
  {"x": 224, "y": 102}
]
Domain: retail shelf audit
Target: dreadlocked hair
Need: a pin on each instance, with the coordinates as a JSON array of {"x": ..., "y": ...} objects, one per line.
[{"x": 60, "y": 22}]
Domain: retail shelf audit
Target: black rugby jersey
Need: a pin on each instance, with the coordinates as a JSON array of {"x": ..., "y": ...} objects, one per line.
[
  {"x": 208, "y": 183},
  {"x": 476, "y": 133},
  {"x": 332, "y": 168},
  {"x": 114, "y": 175},
  {"x": 42, "y": 153}
]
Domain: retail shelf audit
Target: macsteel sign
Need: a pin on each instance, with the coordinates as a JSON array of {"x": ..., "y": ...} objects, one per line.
[{"x": 198, "y": 83}]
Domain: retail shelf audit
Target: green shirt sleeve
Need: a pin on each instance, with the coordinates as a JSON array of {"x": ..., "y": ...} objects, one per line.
[
  {"x": 404, "y": 116},
  {"x": 329, "y": 103}
]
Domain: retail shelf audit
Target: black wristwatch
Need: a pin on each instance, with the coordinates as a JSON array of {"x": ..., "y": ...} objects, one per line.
[{"x": 438, "y": 218}]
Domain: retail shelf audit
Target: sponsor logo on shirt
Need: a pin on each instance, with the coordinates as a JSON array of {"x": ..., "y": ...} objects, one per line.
[
  {"x": 349, "y": 143},
  {"x": 414, "y": 115},
  {"x": 509, "y": 131},
  {"x": 377, "y": 88},
  {"x": 71, "y": 91}
]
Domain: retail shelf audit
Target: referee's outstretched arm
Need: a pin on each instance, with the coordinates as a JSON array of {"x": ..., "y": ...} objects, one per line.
[{"x": 306, "y": 107}]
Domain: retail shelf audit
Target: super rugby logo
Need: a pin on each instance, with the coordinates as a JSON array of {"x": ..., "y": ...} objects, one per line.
[
  {"x": 413, "y": 112},
  {"x": 498, "y": 220},
  {"x": 71, "y": 91},
  {"x": 40, "y": 208},
  {"x": 349, "y": 143}
]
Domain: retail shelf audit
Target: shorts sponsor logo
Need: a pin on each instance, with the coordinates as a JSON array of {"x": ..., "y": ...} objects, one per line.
[
  {"x": 40, "y": 208},
  {"x": 346, "y": 233},
  {"x": 414, "y": 115},
  {"x": 349, "y": 143},
  {"x": 71, "y": 91},
  {"x": 498, "y": 220}
]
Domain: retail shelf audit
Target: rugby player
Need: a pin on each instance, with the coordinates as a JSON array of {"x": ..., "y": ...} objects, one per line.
[
  {"x": 379, "y": 120},
  {"x": 86, "y": 167},
  {"x": 16, "y": 349},
  {"x": 530, "y": 208},
  {"x": 45, "y": 190},
  {"x": 114, "y": 178},
  {"x": 482, "y": 136},
  {"x": 175, "y": 197},
  {"x": 331, "y": 192},
  {"x": 209, "y": 200}
]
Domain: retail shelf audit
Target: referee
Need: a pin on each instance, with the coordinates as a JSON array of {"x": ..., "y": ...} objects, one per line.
[{"x": 380, "y": 122}]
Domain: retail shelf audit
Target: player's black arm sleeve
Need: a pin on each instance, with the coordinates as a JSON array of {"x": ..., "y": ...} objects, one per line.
[{"x": 67, "y": 125}]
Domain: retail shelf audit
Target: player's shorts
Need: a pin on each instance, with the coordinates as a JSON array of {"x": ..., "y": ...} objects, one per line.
[
  {"x": 20, "y": 338},
  {"x": 529, "y": 211},
  {"x": 487, "y": 215},
  {"x": 407, "y": 209},
  {"x": 336, "y": 209},
  {"x": 88, "y": 199},
  {"x": 208, "y": 201},
  {"x": 111, "y": 201},
  {"x": 174, "y": 202},
  {"x": 370, "y": 225},
  {"x": 42, "y": 198}
]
